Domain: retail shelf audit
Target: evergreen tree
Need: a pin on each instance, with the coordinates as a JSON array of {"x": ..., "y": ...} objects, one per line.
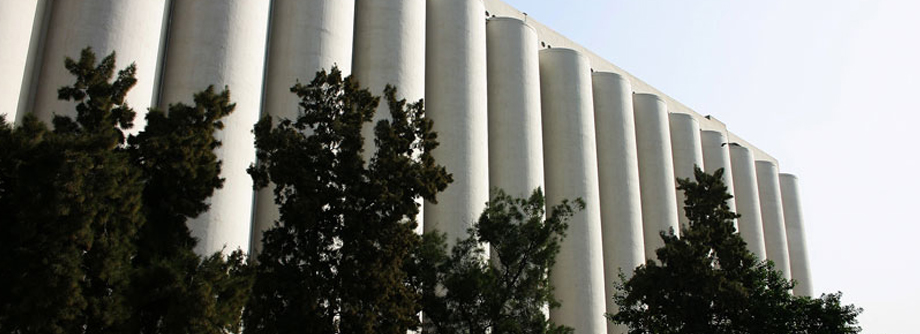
[
  {"x": 175, "y": 290},
  {"x": 707, "y": 281},
  {"x": 465, "y": 293},
  {"x": 337, "y": 260},
  {"x": 71, "y": 202},
  {"x": 93, "y": 233}
]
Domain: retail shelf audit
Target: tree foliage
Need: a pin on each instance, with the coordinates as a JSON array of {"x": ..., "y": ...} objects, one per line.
[
  {"x": 93, "y": 231},
  {"x": 338, "y": 259},
  {"x": 467, "y": 293},
  {"x": 707, "y": 281}
]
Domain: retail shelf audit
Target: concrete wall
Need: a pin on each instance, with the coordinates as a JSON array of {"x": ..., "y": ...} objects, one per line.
[
  {"x": 222, "y": 44},
  {"x": 570, "y": 157},
  {"x": 456, "y": 100},
  {"x": 306, "y": 36},
  {"x": 795, "y": 234},
  {"x": 618, "y": 170},
  {"x": 128, "y": 28},
  {"x": 656, "y": 171}
]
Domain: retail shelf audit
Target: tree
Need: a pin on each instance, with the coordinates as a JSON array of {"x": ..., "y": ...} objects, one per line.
[
  {"x": 465, "y": 293},
  {"x": 708, "y": 282},
  {"x": 337, "y": 260},
  {"x": 175, "y": 290},
  {"x": 71, "y": 205},
  {"x": 94, "y": 235}
]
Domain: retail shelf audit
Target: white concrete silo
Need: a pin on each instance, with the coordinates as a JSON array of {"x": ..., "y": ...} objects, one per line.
[
  {"x": 618, "y": 174},
  {"x": 716, "y": 155},
  {"x": 771, "y": 209},
  {"x": 747, "y": 199},
  {"x": 133, "y": 29},
  {"x": 221, "y": 43},
  {"x": 570, "y": 160},
  {"x": 456, "y": 100},
  {"x": 795, "y": 234},
  {"x": 656, "y": 171},
  {"x": 21, "y": 26},
  {"x": 389, "y": 48},
  {"x": 687, "y": 148},
  {"x": 515, "y": 133},
  {"x": 306, "y": 36}
]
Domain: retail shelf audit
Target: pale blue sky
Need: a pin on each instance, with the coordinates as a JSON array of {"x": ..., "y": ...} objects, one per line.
[{"x": 828, "y": 87}]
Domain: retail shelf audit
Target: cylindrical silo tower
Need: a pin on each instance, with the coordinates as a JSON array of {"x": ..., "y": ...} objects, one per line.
[
  {"x": 747, "y": 199},
  {"x": 570, "y": 159},
  {"x": 618, "y": 174},
  {"x": 795, "y": 234},
  {"x": 455, "y": 97},
  {"x": 656, "y": 171},
  {"x": 389, "y": 48},
  {"x": 221, "y": 43},
  {"x": 21, "y": 24},
  {"x": 771, "y": 209},
  {"x": 306, "y": 36},
  {"x": 132, "y": 29},
  {"x": 716, "y": 155},
  {"x": 687, "y": 148},
  {"x": 515, "y": 133}
]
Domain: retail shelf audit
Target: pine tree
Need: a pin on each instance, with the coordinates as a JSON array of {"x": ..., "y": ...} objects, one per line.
[
  {"x": 707, "y": 281},
  {"x": 93, "y": 232},
  {"x": 175, "y": 290},
  {"x": 337, "y": 260},
  {"x": 466, "y": 293},
  {"x": 71, "y": 202}
]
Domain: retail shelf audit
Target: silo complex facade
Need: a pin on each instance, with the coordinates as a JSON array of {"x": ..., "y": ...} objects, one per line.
[{"x": 516, "y": 107}]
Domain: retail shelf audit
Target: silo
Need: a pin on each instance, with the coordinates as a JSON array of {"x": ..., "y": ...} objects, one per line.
[
  {"x": 618, "y": 174},
  {"x": 306, "y": 36},
  {"x": 656, "y": 171},
  {"x": 131, "y": 28},
  {"x": 687, "y": 148},
  {"x": 570, "y": 159},
  {"x": 716, "y": 155},
  {"x": 389, "y": 48},
  {"x": 771, "y": 209},
  {"x": 221, "y": 43},
  {"x": 21, "y": 24},
  {"x": 515, "y": 133},
  {"x": 456, "y": 100},
  {"x": 795, "y": 234},
  {"x": 747, "y": 199}
]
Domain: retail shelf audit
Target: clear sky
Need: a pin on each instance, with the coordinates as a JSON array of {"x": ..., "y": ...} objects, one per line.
[{"x": 828, "y": 87}]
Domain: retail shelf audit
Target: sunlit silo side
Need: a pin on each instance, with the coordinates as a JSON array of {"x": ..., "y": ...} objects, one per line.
[
  {"x": 618, "y": 174},
  {"x": 747, "y": 200},
  {"x": 389, "y": 48},
  {"x": 771, "y": 209},
  {"x": 456, "y": 100},
  {"x": 716, "y": 155},
  {"x": 656, "y": 171},
  {"x": 221, "y": 43},
  {"x": 570, "y": 159},
  {"x": 20, "y": 27},
  {"x": 306, "y": 36},
  {"x": 133, "y": 29},
  {"x": 515, "y": 133},
  {"x": 687, "y": 148},
  {"x": 795, "y": 234}
]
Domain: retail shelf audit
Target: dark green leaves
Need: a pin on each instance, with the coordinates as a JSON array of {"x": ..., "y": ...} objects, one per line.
[
  {"x": 707, "y": 281},
  {"x": 470, "y": 294},
  {"x": 339, "y": 258}
]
